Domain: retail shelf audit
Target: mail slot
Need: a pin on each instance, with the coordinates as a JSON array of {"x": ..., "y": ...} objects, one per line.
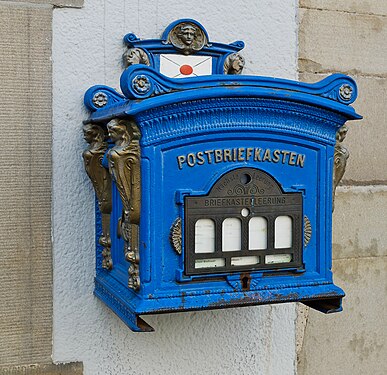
[{"x": 214, "y": 189}]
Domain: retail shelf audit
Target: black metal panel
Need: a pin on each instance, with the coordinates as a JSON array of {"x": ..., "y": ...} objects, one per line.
[{"x": 259, "y": 195}]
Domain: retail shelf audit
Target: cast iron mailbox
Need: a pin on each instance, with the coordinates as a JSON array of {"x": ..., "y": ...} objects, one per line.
[{"x": 214, "y": 189}]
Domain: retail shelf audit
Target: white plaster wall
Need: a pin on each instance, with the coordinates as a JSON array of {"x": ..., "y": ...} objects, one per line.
[{"x": 87, "y": 50}]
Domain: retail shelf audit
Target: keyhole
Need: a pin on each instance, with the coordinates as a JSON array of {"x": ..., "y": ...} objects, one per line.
[{"x": 245, "y": 283}]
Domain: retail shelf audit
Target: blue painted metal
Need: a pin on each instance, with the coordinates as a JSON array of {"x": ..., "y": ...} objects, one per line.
[
  {"x": 187, "y": 116},
  {"x": 154, "y": 47}
]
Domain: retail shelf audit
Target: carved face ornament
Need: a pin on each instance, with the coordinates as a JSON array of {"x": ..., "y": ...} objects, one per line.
[
  {"x": 238, "y": 63},
  {"x": 342, "y": 133},
  {"x": 187, "y": 38},
  {"x": 187, "y": 34},
  {"x": 92, "y": 133},
  {"x": 116, "y": 130},
  {"x": 88, "y": 135}
]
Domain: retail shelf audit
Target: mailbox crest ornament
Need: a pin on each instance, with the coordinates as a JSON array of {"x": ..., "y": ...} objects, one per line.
[
  {"x": 214, "y": 189},
  {"x": 187, "y": 36}
]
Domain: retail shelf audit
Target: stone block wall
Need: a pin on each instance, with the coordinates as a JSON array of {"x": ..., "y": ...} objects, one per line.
[
  {"x": 25, "y": 199},
  {"x": 350, "y": 37}
]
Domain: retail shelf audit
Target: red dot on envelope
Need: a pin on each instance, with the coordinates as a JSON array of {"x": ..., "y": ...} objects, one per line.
[{"x": 186, "y": 70}]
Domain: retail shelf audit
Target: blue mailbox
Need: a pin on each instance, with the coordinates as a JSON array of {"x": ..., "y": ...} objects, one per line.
[{"x": 214, "y": 189}]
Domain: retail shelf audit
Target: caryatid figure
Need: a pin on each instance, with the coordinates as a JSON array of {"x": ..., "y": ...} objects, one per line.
[
  {"x": 95, "y": 136},
  {"x": 124, "y": 166},
  {"x": 340, "y": 158}
]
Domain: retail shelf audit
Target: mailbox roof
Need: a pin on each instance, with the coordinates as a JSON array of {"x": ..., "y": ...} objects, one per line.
[{"x": 144, "y": 88}]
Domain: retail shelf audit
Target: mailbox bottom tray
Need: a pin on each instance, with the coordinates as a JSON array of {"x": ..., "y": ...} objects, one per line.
[{"x": 128, "y": 306}]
